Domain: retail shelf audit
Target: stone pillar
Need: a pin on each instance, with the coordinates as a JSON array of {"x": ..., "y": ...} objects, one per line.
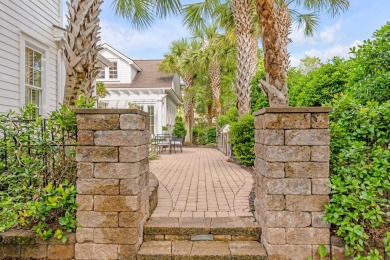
[
  {"x": 112, "y": 182},
  {"x": 292, "y": 168}
]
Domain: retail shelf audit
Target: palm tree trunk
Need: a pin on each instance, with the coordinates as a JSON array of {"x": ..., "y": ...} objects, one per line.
[
  {"x": 215, "y": 77},
  {"x": 188, "y": 108},
  {"x": 275, "y": 54},
  {"x": 247, "y": 55},
  {"x": 209, "y": 114},
  {"x": 81, "y": 48}
]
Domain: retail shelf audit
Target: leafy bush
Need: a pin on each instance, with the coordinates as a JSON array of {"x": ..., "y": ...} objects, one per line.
[
  {"x": 37, "y": 172},
  {"x": 211, "y": 135},
  {"x": 179, "y": 130},
  {"x": 232, "y": 115},
  {"x": 360, "y": 179},
  {"x": 242, "y": 137},
  {"x": 222, "y": 121}
]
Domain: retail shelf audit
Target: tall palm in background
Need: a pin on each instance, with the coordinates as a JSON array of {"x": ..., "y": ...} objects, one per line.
[
  {"x": 215, "y": 53},
  {"x": 275, "y": 19},
  {"x": 237, "y": 17},
  {"x": 181, "y": 59},
  {"x": 81, "y": 48}
]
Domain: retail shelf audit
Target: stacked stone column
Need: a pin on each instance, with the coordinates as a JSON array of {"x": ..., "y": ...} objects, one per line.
[
  {"x": 292, "y": 182},
  {"x": 112, "y": 182}
]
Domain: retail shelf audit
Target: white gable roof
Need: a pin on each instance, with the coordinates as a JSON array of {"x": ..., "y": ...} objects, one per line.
[{"x": 122, "y": 56}]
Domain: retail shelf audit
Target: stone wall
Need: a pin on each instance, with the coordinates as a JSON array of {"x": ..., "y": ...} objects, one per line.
[
  {"x": 25, "y": 244},
  {"x": 292, "y": 168},
  {"x": 112, "y": 182}
]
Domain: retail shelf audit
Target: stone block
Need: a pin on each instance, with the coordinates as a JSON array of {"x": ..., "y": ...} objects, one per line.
[
  {"x": 177, "y": 237},
  {"x": 96, "y": 154},
  {"x": 128, "y": 252},
  {"x": 132, "y": 186},
  {"x": 284, "y": 153},
  {"x": 259, "y": 122},
  {"x": 121, "y": 170},
  {"x": 222, "y": 238},
  {"x": 133, "y": 154},
  {"x": 288, "y": 186},
  {"x": 98, "y": 186},
  {"x": 269, "y": 137},
  {"x": 85, "y": 170},
  {"x": 276, "y": 236},
  {"x": 316, "y": 255},
  {"x": 85, "y": 137},
  {"x": 96, "y": 251},
  {"x": 33, "y": 251},
  {"x": 320, "y": 154},
  {"x": 116, "y": 203},
  {"x": 97, "y": 122},
  {"x": 316, "y": 220},
  {"x": 130, "y": 219},
  {"x": 121, "y": 138},
  {"x": 60, "y": 252},
  {"x": 308, "y": 137},
  {"x": 320, "y": 120},
  {"x": 288, "y": 252},
  {"x": 307, "y": 170},
  {"x": 275, "y": 202},
  {"x": 10, "y": 251},
  {"x": 125, "y": 236},
  {"x": 288, "y": 219},
  {"x": 306, "y": 203},
  {"x": 84, "y": 235},
  {"x": 308, "y": 236},
  {"x": 84, "y": 202},
  {"x": 271, "y": 170},
  {"x": 97, "y": 219},
  {"x": 133, "y": 122},
  {"x": 320, "y": 186},
  {"x": 286, "y": 121}
]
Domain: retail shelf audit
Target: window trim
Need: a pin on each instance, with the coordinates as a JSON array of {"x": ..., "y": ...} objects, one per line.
[
  {"x": 27, "y": 41},
  {"x": 117, "y": 71}
]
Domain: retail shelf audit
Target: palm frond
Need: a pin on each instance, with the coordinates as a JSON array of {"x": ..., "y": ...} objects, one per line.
[
  {"x": 199, "y": 15},
  {"x": 309, "y": 22}
]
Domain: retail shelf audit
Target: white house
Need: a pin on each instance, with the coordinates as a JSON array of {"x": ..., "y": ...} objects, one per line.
[
  {"x": 139, "y": 82},
  {"x": 31, "y": 59}
]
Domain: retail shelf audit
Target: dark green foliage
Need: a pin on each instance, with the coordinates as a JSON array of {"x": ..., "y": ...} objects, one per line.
[
  {"x": 222, "y": 121},
  {"x": 258, "y": 99},
  {"x": 360, "y": 166},
  {"x": 370, "y": 68},
  {"x": 204, "y": 136},
  {"x": 179, "y": 129},
  {"x": 242, "y": 137},
  {"x": 211, "y": 134},
  {"x": 232, "y": 114},
  {"x": 37, "y": 174}
]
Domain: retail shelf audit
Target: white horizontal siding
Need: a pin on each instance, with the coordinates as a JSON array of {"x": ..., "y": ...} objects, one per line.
[
  {"x": 34, "y": 18},
  {"x": 124, "y": 68}
]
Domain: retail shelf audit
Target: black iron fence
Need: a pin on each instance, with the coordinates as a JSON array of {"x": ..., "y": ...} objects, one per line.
[{"x": 38, "y": 148}]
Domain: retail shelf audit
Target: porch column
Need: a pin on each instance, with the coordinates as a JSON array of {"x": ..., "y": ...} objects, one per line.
[{"x": 292, "y": 168}]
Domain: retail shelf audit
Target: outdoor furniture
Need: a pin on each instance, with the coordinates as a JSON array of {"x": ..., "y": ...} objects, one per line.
[
  {"x": 163, "y": 142},
  {"x": 176, "y": 142}
]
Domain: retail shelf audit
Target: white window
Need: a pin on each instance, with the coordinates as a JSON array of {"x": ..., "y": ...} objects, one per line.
[
  {"x": 33, "y": 71},
  {"x": 102, "y": 74},
  {"x": 113, "y": 70},
  {"x": 151, "y": 118}
]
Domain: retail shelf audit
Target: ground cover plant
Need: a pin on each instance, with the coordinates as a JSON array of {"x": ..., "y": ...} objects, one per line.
[{"x": 38, "y": 171}]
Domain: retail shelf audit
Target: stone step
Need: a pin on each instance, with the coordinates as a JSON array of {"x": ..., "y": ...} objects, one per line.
[
  {"x": 215, "y": 229},
  {"x": 239, "y": 250}
]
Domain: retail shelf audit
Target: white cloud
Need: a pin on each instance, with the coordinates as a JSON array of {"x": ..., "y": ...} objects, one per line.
[
  {"x": 294, "y": 61},
  {"x": 327, "y": 35},
  {"x": 128, "y": 40},
  {"x": 336, "y": 50}
]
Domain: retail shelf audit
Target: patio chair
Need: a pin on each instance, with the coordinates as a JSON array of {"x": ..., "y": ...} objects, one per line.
[
  {"x": 163, "y": 142},
  {"x": 176, "y": 142}
]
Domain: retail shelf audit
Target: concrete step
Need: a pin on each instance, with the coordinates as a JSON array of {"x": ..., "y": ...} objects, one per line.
[
  {"x": 238, "y": 250},
  {"x": 195, "y": 229}
]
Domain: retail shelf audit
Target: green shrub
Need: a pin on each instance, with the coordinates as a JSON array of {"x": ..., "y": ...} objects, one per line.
[
  {"x": 242, "y": 137},
  {"x": 211, "y": 134},
  {"x": 232, "y": 115},
  {"x": 360, "y": 166},
  {"x": 222, "y": 121},
  {"x": 37, "y": 175},
  {"x": 179, "y": 130}
]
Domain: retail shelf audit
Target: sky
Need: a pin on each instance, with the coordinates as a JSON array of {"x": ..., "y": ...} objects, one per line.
[{"x": 334, "y": 36}]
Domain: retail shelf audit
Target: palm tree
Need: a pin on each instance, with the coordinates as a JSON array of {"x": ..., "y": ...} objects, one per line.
[
  {"x": 215, "y": 53},
  {"x": 81, "y": 48},
  {"x": 237, "y": 18},
  {"x": 180, "y": 59},
  {"x": 275, "y": 19}
]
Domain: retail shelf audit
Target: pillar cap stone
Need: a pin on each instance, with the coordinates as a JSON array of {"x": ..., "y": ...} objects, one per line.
[
  {"x": 109, "y": 111},
  {"x": 293, "y": 110}
]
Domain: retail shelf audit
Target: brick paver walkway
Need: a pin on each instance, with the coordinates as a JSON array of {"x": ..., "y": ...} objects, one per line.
[{"x": 200, "y": 183}]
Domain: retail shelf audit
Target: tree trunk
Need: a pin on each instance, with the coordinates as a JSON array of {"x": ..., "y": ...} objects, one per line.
[
  {"x": 81, "y": 49},
  {"x": 188, "y": 108},
  {"x": 247, "y": 53},
  {"x": 215, "y": 77},
  {"x": 209, "y": 114},
  {"x": 275, "y": 53}
]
